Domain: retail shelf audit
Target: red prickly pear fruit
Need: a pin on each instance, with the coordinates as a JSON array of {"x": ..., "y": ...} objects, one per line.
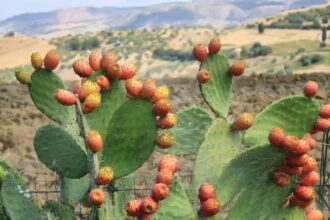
[
  {"x": 310, "y": 166},
  {"x": 23, "y": 76},
  {"x": 209, "y": 208},
  {"x": 65, "y": 97},
  {"x": 325, "y": 111},
  {"x": 170, "y": 162},
  {"x": 36, "y": 60},
  {"x": 107, "y": 59},
  {"x": 276, "y": 136},
  {"x": 307, "y": 209},
  {"x": 203, "y": 76},
  {"x": 133, "y": 207},
  {"x": 159, "y": 191},
  {"x": 92, "y": 102},
  {"x": 281, "y": 179},
  {"x": 165, "y": 176},
  {"x": 162, "y": 107},
  {"x": 301, "y": 148},
  {"x": 309, "y": 179},
  {"x": 310, "y": 88},
  {"x": 292, "y": 171},
  {"x": 114, "y": 70},
  {"x": 148, "y": 88},
  {"x": 94, "y": 141},
  {"x": 51, "y": 60},
  {"x": 297, "y": 161},
  {"x": 87, "y": 88},
  {"x": 94, "y": 59},
  {"x": 314, "y": 215},
  {"x": 214, "y": 45},
  {"x": 148, "y": 205},
  {"x": 200, "y": 52},
  {"x": 304, "y": 193},
  {"x": 206, "y": 191},
  {"x": 133, "y": 87},
  {"x": 165, "y": 140},
  {"x": 237, "y": 69},
  {"x": 103, "y": 82},
  {"x": 322, "y": 124},
  {"x": 161, "y": 92},
  {"x": 289, "y": 143},
  {"x": 294, "y": 201},
  {"x": 243, "y": 122},
  {"x": 96, "y": 197},
  {"x": 82, "y": 68},
  {"x": 128, "y": 71},
  {"x": 310, "y": 140},
  {"x": 77, "y": 88},
  {"x": 167, "y": 121},
  {"x": 144, "y": 217},
  {"x": 104, "y": 176}
]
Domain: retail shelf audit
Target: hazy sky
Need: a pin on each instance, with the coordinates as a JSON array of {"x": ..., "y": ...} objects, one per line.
[{"x": 14, "y": 7}]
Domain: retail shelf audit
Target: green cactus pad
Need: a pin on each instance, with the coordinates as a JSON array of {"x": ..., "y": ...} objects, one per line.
[
  {"x": 221, "y": 144},
  {"x": 42, "y": 91},
  {"x": 104, "y": 212},
  {"x": 130, "y": 137},
  {"x": 58, "y": 210},
  {"x": 3, "y": 214},
  {"x": 189, "y": 131},
  {"x": 58, "y": 150},
  {"x": 247, "y": 181},
  {"x": 217, "y": 90},
  {"x": 177, "y": 205},
  {"x": 74, "y": 190},
  {"x": 294, "y": 114},
  {"x": 18, "y": 201},
  {"x": 112, "y": 99}
]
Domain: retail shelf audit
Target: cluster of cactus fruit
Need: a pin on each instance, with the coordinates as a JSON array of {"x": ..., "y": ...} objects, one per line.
[{"x": 103, "y": 134}]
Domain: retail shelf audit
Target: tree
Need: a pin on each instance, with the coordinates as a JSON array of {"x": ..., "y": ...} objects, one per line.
[
  {"x": 324, "y": 34},
  {"x": 261, "y": 28}
]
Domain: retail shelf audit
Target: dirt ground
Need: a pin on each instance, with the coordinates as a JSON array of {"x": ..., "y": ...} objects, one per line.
[{"x": 19, "y": 118}]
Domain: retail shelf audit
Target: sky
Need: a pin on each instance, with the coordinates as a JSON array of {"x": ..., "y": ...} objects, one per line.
[{"x": 14, "y": 7}]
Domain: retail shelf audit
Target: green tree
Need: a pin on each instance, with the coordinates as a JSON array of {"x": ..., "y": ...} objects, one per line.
[
  {"x": 324, "y": 34},
  {"x": 261, "y": 28}
]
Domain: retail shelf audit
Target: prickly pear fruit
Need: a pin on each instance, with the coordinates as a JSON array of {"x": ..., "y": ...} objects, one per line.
[
  {"x": 200, "y": 52},
  {"x": 133, "y": 207},
  {"x": 301, "y": 148},
  {"x": 310, "y": 166},
  {"x": 92, "y": 102},
  {"x": 297, "y": 161},
  {"x": 243, "y": 122},
  {"x": 214, "y": 45},
  {"x": 161, "y": 92},
  {"x": 203, "y": 76},
  {"x": 309, "y": 179},
  {"x": 304, "y": 193},
  {"x": 209, "y": 208},
  {"x": 165, "y": 140},
  {"x": 94, "y": 141},
  {"x": 159, "y": 191},
  {"x": 128, "y": 71},
  {"x": 292, "y": 171},
  {"x": 94, "y": 59},
  {"x": 36, "y": 60},
  {"x": 325, "y": 111},
  {"x": 23, "y": 76},
  {"x": 107, "y": 59},
  {"x": 237, "y": 69},
  {"x": 314, "y": 215},
  {"x": 87, "y": 88},
  {"x": 148, "y": 88},
  {"x": 276, "y": 136},
  {"x": 133, "y": 87},
  {"x": 281, "y": 179},
  {"x": 77, "y": 88},
  {"x": 310, "y": 88},
  {"x": 167, "y": 121},
  {"x": 148, "y": 205},
  {"x": 51, "y": 60},
  {"x": 144, "y": 217},
  {"x": 114, "y": 70},
  {"x": 104, "y": 176},
  {"x": 289, "y": 143},
  {"x": 310, "y": 140},
  {"x": 103, "y": 82},
  {"x": 322, "y": 124},
  {"x": 82, "y": 68},
  {"x": 294, "y": 201},
  {"x": 206, "y": 191},
  {"x": 162, "y": 107},
  {"x": 170, "y": 162},
  {"x": 65, "y": 97},
  {"x": 96, "y": 197},
  {"x": 165, "y": 176}
]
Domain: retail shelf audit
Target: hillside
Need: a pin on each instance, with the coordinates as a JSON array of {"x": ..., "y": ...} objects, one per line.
[{"x": 219, "y": 14}]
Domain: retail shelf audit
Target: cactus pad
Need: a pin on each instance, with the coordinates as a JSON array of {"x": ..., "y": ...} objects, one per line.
[
  {"x": 294, "y": 114},
  {"x": 58, "y": 210},
  {"x": 189, "y": 131},
  {"x": 130, "y": 137},
  {"x": 74, "y": 190},
  {"x": 217, "y": 91},
  {"x": 57, "y": 149}
]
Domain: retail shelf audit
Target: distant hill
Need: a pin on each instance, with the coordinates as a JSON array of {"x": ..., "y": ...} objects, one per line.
[{"x": 224, "y": 13}]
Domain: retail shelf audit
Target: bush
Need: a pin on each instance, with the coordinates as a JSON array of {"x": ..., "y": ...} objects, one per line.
[
  {"x": 171, "y": 55},
  {"x": 310, "y": 59},
  {"x": 10, "y": 34},
  {"x": 323, "y": 44},
  {"x": 89, "y": 43},
  {"x": 258, "y": 50}
]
